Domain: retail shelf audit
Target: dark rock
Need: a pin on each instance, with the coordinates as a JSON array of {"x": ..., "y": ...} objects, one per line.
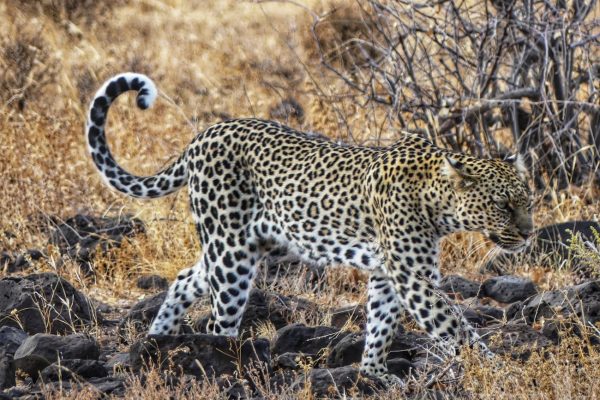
[
  {"x": 285, "y": 381},
  {"x": 400, "y": 367},
  {"x": 288, "y": 360},
  {"x": 557, "y": 237},
  {"x": 347, "y": 351},
  {"x": 53, "y": 387},
  {"x": 233, "y": 389},
  {"x": 508, "y": 289},
  {"x": 410, "y": 344},
  {"x": 104, "y": 308},
  {"x": 489, "y": 313},
  {"x": 110, "y": 385},
  {"x": 142, "y": 314},
  {"x": 7, "y": 263},
  {"x": 581, "y": 301},
  {"x": 7, "y": 369},
  {"x": 406, "y": 345},
  {"x": 40, "y": 303},
  {"x": 22, "y": 261},
  {"x": 11, "y": 263},
  {"x": 84, "y": 252},
  {"x": 194, "y": 354},
  {"x": 19, "y": 264},
  {"x": 518, "y": 340},
  {"x": 311, "y": 340},
  {"x": 354, "y": 314},
  {"x": 455, "y": 284},
  {"x": 118, "y": 361},
  {"x": 40, "y": 350},
  {"x": 518, "y": 311},
  {"x": 82, "y": 236},
  {"x": 20, "y": 392},
  {"x": 73, "y": 369},
  {"x": 552, "y": 332},
  {"x": 80, "y": 227},
  {"x": 277, "y": 309},
  {"x": 551, "y": 247},
  {"x": 481, "y": 315},
  {"x": 470, "y": 315},
  {"x": 10, "y": 340},
  {"x": 264, "y": 306},
  {"x": 342, "y": 382},
  {"x": 152, "y": 282},
  {"x": 35, "y": 254}
]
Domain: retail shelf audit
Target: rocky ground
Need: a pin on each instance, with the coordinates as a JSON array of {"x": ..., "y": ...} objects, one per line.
[{"x": 55, "y": 339}]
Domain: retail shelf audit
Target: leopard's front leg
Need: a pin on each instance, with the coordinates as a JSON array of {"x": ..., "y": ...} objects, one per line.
[
  {"x": 383, "y": 316},
  {"x": 415, "y": 275}
]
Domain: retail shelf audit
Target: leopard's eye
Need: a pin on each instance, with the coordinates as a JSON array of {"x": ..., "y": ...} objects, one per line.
[{"x": 502, "y": 204}]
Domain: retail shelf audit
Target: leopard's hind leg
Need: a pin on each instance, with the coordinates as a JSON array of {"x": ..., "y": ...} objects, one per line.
[
  {"x": 191, "y": 284},
  {"x": 224, "y": 205},
  {"x": 229, "y": 284},
  {"x": 226, "y": 274}
]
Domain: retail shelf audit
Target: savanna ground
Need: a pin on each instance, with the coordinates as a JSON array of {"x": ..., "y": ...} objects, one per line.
[{"x": 210, "y": 60}]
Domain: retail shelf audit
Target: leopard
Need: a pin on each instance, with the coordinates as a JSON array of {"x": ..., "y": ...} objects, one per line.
[{"x": 256, "y": 185}]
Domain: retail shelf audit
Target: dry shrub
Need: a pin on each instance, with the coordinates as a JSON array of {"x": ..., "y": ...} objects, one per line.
[
  {"x": 86, "y": 11},
  {"x": 458, "y": 72},
  {"x": 27, "y": 66},
  {"x": 86, "y": 83},
  {"x": 88, "y": 392},
  {"x": 152, "y": 384},
  {"x": 566, "y": 372},
  {"x": 342, "y": 35},
  {"x": 589, "y": 254}
]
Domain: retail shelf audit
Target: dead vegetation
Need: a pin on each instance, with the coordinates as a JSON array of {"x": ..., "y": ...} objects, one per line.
[
  {"x": 26, "y": 67},
  {"x": 211, "y": 61},
  {"x": 479, "y": 76}
]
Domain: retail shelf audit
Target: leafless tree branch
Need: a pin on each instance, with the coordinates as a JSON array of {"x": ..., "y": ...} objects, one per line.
[{"x": 465, "y": 72}]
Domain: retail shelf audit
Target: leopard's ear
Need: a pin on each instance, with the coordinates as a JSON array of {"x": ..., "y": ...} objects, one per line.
[
  {"x": 459, "y": 173},
  {"x": 518, "y": 162}
]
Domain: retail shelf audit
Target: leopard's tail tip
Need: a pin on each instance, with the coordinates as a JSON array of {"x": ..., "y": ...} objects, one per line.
[
  {"x": 147, "y": 92},
  {"x": 118, "y": 84}
]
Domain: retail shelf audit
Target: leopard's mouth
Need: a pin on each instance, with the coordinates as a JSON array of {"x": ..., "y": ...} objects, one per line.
[{"x": 508, "y": 244}]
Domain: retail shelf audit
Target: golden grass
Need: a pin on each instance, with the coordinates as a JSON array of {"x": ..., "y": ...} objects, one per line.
[{"x": 209, "y": 59}]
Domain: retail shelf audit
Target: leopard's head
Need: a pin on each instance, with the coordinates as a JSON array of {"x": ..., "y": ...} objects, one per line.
[{"x": 493, "y": 197}]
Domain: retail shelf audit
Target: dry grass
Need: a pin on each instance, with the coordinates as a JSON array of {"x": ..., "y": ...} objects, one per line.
[
  {"x": 210, "y": 60},
  {"x": 567, "y": 372}
]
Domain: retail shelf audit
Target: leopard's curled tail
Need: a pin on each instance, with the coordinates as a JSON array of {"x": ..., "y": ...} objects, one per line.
[{"x": 170, "y": 179}]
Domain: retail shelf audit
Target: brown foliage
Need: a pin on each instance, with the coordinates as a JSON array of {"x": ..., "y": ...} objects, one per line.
[{"x": 26, "y": 67}]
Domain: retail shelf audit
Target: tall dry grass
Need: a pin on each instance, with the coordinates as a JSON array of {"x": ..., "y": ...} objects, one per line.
[{"x": 210, "y": 60}]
